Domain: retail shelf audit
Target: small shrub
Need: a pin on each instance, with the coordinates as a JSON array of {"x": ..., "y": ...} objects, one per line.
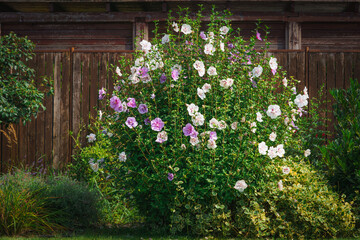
[
  {"x": 74, "y": 202},
  {"x": 39, "y": 204},
  {"x": 22, "y": 207},
  {"x": 209, "y": 137}
]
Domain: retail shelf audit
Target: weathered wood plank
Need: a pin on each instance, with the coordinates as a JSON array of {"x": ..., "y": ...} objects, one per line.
[
  {"x": 322, "y": 82},
  {"x": 293, "y": 35},
  {"x": 30, "y": 159},
  {"x": 76, "y": 91},
  {"x": 49, "y": 100},
  {"x": 348, "y": 68},
  {"x": 57, "y": 112},
  {"x": 40, "y": 121},
  {"x": 140, "y": 32},
  {"x": 312, "y": 77},
  {"x": 301, "y": 71},
  {"x": 103, "y": 76},
  {"x": 339, "y": 64},
  {"x": 292, "y": 63},
  {"x": 62, "y": 17},
  {"x": 357, "y": 66},
  {"x": 94, "y": 83},
  {"x": 85, "y": 100},
  {"x": 112, "y": 61},
  {"x": 330, "y": 84},
  {"x": 65, "y": 153}
]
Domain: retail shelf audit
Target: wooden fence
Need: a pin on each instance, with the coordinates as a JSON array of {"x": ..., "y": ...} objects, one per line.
[{"x": 78, "y": 76}]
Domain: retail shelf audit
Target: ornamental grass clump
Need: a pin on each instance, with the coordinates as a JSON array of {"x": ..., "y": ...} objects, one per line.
[{"x": 207, "y": 133}]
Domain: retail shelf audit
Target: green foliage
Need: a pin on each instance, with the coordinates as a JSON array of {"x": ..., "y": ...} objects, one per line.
[
  {"x": 19, "y": 97},
  {"x": 342, "y": 155},
  {"x": 78, "y": 204},
  {"x": 222, "y": 176},
  {"x": 35, "y": 204},
  {"x": 22, "y": 207},
  {"x": 117, "y": 204}
]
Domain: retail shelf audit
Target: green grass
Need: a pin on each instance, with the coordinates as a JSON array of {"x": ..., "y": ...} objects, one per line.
[{"x": 108, "y": 233}]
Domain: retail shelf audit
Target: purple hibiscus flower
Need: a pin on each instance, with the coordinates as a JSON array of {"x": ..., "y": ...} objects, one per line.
[
  {"x": 115, "y": 103},
  {"x": 258, "y": 36},
  {"x": 157, "y": 124},
  {"x": 147, "y": 121},
  {"x": 163, "y": 78},
  {"x": 143, "y": 72},
  {"x": 175, "y": 74},
  {"x": 131, "y": 122},
  {"x": 213, "y": 136},
  {"x": 131, "y": 103},
  {"x": 203, "y": 35},
  {"x": 170, "y": 176},
  {"x": 102, "y": 93},
  {"x": 142, "y": 109},
  {"x": 188, "y": 129}
]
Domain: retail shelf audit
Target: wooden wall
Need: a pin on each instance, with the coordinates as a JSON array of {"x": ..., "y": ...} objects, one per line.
[
  {"x": 78, "y": 76},
  {"x": 83, "y": 36}
]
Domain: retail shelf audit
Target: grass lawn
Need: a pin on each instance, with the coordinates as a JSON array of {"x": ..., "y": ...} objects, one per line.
[{"x": 108, "y": 233}]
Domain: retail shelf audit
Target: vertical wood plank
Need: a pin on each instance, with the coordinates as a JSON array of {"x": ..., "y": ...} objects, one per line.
[
  {"x": 331, "y": 84},
  {"x": 300, "y": 71},
  {"x": 357, "y": 66},
  {"x": 292, "y": 63},
  {"x": 103, "y": 76},
  {"x": 312, "y": 69},
  {"x": 282, "y": 59},
  {"x": 140, "y": 31},
  {"x": 293, "y": 35},
  {"x": 65, "y": 153},
  {"x": 49, "y": 101},
  {"x": 57, "y": 111},
  {"x": 322, "y": 81},
  {"x": 348, "y": 68},
  {"x": 85, "y": 100},
  {"x": 94, "y": 84},
  {"x": 112, "y": 57},
  {"x": 339, "y": 64},
  {"x": 40, "y": 121},
  {"x": 30, "y": 159},
  {"x": 76, "y": 91}
]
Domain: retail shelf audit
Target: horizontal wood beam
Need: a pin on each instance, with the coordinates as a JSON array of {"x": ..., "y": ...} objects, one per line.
[{"x": 59, "y": 17}]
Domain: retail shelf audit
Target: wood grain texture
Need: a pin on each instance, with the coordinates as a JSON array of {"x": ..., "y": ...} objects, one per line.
[
  {"x": 76, "y": 92},
  {"x": 85, "y": 100},
  {"x": 40, "y": 121},
  {"x": 49, "y": 100},
  {"x": 57, "y": 112},
  {"x": 65, "y": 109},
  {"x": 330, "y": 84}
]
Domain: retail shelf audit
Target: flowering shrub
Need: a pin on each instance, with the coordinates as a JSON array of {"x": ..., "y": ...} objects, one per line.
[{"x": 207, "y": 133}]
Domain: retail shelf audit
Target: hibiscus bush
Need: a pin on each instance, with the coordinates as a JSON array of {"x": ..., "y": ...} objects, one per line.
[{"x": 208, "y": 134}]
